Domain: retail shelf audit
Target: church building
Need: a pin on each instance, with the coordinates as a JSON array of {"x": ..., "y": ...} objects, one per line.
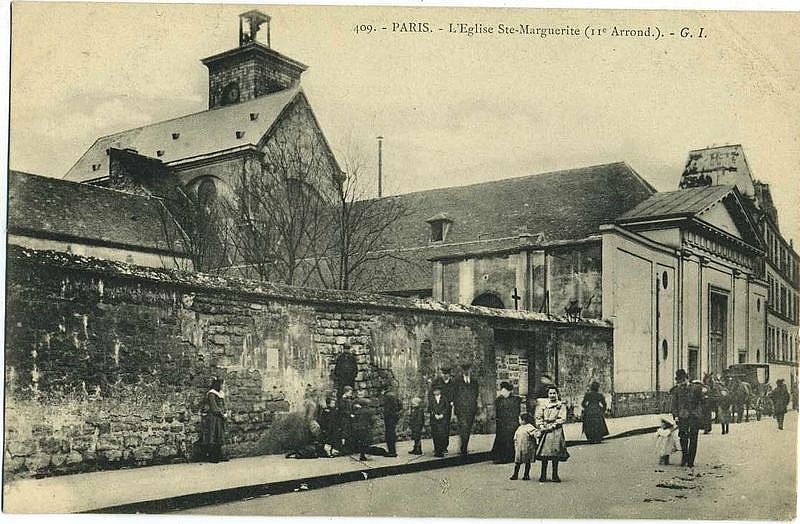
[{"x": 681, "y": 275}]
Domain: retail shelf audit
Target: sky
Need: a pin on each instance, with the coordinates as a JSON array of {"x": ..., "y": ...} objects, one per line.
[{"x": 454, "y": 109}]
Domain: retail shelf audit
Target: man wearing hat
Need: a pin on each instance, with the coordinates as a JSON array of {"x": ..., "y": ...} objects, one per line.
[
  {"x": 465, "y": 404},
  {"x": 687, "y": 409},
  {"x": 446, "y": 386},
  {"x": 780, "y": 400}
]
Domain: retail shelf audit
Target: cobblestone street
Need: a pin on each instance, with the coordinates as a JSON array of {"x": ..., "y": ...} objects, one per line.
[{"x": 736, "y": 477}]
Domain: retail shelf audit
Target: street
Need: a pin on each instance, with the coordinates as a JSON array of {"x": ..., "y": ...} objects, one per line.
[{"x": 747, "y": 474}]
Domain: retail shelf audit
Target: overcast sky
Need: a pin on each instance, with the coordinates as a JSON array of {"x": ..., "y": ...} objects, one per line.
[{"x": 454, "y": 109}]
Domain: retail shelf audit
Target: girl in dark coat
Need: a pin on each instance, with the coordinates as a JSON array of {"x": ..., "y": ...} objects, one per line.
[
  {"x": 594, "y": 409},
  {"x": 507, "y": 409},
  {"x": 213, "y": 421}
]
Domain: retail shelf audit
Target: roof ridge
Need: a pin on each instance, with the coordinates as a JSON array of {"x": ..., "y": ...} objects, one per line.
[
  {"x": 520, "y": 177},
  {"x": 90, "y": 187},
  {"x": 296, "y": 89}
]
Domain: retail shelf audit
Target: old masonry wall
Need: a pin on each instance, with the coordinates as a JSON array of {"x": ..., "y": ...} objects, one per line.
[{"x": 107, "y": 364}]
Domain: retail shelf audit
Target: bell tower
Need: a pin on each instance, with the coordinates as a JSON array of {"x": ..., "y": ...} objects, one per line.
[{"x": 251, "y": 70}]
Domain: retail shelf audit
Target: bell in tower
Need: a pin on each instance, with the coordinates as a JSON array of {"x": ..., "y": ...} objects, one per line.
[
  {"x": 249, "y": 24},
  {"x": 251, "y": 70}
]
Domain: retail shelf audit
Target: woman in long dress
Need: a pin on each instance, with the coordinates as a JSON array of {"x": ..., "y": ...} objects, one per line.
[
  {"x": 506, "y": 408},
  {"x": 213, "y": 421},
  {"x": 551, "y": 415},
  {"x": 594, "y": 409}
]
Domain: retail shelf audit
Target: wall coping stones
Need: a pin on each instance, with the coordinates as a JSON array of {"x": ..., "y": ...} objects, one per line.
[{"x": 192, "y": 281}]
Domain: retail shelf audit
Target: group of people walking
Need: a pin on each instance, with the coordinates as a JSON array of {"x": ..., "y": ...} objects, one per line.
[{"x": 693, "y": 409}]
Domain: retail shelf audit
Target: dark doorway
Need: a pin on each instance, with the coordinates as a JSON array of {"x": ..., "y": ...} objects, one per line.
[
  {"x": 717, "y": 332},
  {"x": 488, "y": 300}
]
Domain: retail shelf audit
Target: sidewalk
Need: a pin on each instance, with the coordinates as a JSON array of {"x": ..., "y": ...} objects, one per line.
[{"x": 159, "y": 489}]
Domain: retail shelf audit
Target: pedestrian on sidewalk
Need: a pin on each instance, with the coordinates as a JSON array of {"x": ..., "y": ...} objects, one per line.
[
  {"x": 550, "y": 417},
  {"x": 465, "y": 404},
  {"x": 724, "y": 410},
  {"x": 507, "y": 409},
  {"x": 328, "y": 420},
  {"x": 440, "y": 430},
  {"x": 687, "y": 410},
  {"x": 780, "y": 400},
  {"x": 524, "y": 446},
  {"x": 594, "y": 410},
  {"x": 362, "y": 428},
  {"x": 667, "y": 441},
  {"x": 346, "y": 420},
  {"x": 213, "y": 418},
  {"x": 416, "y": 420},
  {"x": 392, "y": 408},
  {"x": 446, "y": 388}
]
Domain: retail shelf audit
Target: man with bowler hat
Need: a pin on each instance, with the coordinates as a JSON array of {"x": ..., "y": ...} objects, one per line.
[
  {"x": 465, "y": 404},
  {"x": 687, "y": 409}
]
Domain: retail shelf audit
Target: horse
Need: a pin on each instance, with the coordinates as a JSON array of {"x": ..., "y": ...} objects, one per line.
[{"x": 741, "y": 396}]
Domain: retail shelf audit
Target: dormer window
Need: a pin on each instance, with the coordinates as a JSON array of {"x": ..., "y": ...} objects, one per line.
[{"x": 440, "y": 225}]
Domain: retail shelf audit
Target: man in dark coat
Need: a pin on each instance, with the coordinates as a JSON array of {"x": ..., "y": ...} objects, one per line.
[
  {"x": 392, "y": 408},
  {"x": 780, "y": 400},
  {"x": 687, "y": 409},
  {"x": 440, "y": 421},
  {"x": 465, "y": 404}
]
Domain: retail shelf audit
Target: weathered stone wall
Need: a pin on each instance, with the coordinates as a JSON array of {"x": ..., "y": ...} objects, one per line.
[{"x": 107, "y": 364}]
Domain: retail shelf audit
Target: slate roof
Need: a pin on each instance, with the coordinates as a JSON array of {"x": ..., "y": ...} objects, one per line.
[
  {"x": 552, "y": 207},
  {"x": 684, "y": 202},
  {"x": 692, "y": 202},
  {"x": 51, "y": 208},
  {"x": 203, "y": 133}
]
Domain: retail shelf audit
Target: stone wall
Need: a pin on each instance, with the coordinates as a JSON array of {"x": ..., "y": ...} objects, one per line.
[{"x": 107, "y": 364}]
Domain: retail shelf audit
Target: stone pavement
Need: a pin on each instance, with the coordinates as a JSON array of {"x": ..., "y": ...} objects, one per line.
[{"x": 157, "y": 489}]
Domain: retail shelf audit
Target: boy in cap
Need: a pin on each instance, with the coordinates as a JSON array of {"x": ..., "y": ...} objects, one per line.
[{"x": 417, "y": 422}]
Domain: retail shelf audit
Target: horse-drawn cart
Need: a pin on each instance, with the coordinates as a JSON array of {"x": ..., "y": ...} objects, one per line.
[{"x": 750, "y": 389}]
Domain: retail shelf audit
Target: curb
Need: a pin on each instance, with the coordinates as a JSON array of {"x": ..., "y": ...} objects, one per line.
[
  {"x": 288, "y": 486},
  {"x": 240, "y": 493}
]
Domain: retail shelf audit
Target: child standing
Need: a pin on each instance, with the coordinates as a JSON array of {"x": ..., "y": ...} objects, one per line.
[
  {"x": 417, "y": 422},
  {"x": 524, "y": 446},
  {"x": 724, "y": 411},
  {"x": 666, "y": 441}
]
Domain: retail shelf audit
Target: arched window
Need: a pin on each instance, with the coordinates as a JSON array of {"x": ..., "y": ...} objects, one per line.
[
  {"x": 207, "y": 192},
  {"x": 488, "y": 300}
]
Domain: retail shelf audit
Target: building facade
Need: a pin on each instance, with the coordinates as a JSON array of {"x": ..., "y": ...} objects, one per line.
[{"x": 779, "y": 265}]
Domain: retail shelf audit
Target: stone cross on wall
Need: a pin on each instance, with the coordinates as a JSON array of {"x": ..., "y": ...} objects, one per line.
[{"x": 516, "y": 298}]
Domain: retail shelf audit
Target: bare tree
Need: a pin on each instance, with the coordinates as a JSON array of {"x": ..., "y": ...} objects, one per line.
[
  {"x": 198, "y": 229},
  {"x": 361, "y": 230},
  {"x": 282, "y": 208}
]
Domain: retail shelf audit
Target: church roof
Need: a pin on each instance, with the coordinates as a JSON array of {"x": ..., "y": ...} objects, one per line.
[
  {"x": 691, "y": 203},
  {"x": 551, "y": 207},
  {"x": 227, "y": 128},
  {"x": 46, "y": 207}
]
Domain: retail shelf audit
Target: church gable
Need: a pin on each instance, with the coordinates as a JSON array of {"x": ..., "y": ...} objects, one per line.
[
  {"x": 296, "y": 146},
  {"x": 720, "y": 217}
]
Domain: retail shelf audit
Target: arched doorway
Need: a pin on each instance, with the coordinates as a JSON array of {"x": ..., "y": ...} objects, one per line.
[{"x": 488, "y": 300}]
